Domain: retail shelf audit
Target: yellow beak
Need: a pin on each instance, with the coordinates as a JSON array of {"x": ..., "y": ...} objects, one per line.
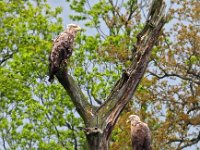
[
  {"x": 78, "y": 28},
  {"x": 128, "y": 121}
]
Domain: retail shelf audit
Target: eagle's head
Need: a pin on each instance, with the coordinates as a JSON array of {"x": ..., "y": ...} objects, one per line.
[
  {"x": 133, "y": 118},
  {"x": 73, "y": 27}
]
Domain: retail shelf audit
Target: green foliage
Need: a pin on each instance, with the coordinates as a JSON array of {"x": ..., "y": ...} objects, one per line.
[
  {"x": 37, "y": 115},
  {"x": 91, "y": 71},
  {"x": 34, "y": 114}
]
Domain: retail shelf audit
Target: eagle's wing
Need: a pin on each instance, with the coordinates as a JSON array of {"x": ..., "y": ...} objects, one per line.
[
  {"x": 147, "y": 142},
  {"x": 61, "y": 51}
]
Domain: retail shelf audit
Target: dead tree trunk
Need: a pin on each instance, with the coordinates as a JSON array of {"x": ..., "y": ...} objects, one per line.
[{"x": 100, "y": 121}]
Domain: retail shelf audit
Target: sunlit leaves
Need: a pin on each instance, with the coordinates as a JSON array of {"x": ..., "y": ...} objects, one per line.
[
  {"x": 33, "y": 112},
  {"x": 37, "y": 115}
]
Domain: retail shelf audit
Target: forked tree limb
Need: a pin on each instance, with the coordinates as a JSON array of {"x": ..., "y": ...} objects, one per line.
[
  {"x": 127, "y": 84},
  {"x": 103, "y": 120}
]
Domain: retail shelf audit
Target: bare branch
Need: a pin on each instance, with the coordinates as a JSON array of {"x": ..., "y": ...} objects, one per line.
[
  {"x": 71, "y": 127},
  {"x": 193, "y": 109},
  {"x": 186, "y": 141},
  {"x": 77, "y": 97},
  {"x": 127, "y": 84},
  {"x": 132, "y": 10},
  {"x": 166, "y": 74}
]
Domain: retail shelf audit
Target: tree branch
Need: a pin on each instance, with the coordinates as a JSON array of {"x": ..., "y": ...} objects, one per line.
[
  {"x": 71, "y": 127},
  {"x": 127, "y": 84},
  {"x": 166, "y": 74},
  {"x": 192, "y": 142},
  {"x": 132, "y": 10},
  {"x": 193, "y": 109},
  {"x": 187, "y": 142},
  {"x": 77, "y": 96}
]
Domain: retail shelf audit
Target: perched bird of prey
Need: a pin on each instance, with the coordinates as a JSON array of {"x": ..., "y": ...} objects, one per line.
[
  {"x": 140, "y": 134},
  {"x": 62, "y": 49}
]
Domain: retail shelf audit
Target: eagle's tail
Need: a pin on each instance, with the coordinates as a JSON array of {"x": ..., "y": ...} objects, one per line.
[
  {"x": 51, "y": 77},
  {"x": 52, "y": 71}
]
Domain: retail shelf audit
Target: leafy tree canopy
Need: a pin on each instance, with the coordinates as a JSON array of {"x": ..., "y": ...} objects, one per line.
[{"x": 36, "y": 114}]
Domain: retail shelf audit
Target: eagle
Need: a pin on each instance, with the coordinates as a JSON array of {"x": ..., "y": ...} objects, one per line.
[
  {"x": 140, "y": 134},
  {"x": 62, "y": 49}
]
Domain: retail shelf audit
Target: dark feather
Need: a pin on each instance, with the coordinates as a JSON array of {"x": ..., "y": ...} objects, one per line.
[
  {"x": 62, "y": 50},
  {"x": 140, "y": 136}
]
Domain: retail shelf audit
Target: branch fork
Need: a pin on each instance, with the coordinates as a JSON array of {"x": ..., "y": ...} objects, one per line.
[{"x": 107, "y": 114}]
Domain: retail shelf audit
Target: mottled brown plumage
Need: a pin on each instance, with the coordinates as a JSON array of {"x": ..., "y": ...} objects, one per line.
[
  {"x": 62, "y": 49},
  {"x": 140, "y": 134}
]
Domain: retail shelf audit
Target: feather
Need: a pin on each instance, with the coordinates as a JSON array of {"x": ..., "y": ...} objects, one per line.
[
  {"x": 140, "y": 134},
  {"x": 62, "y": 49}
]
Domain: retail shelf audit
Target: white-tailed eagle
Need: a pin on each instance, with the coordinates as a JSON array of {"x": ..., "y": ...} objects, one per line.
[
  {"x": 140, "y": 134},
  {"x": 62, "y": 49}
]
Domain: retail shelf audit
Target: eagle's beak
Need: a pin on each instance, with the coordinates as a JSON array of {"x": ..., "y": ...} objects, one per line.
[
  {"x": 128, "y": 121},
  {"x": 78, "y": 28}
]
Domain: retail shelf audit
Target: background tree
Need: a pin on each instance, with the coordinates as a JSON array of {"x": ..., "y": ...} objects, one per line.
[{"x": 168, "y": 98}]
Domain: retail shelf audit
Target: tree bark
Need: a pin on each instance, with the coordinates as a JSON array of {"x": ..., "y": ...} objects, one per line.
[{"x": 100, "y": 121}]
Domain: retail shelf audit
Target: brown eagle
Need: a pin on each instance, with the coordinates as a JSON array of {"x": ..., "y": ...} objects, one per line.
[
  {"x": 62, "y": 49},
  {"x": 140, "y": 134}
]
